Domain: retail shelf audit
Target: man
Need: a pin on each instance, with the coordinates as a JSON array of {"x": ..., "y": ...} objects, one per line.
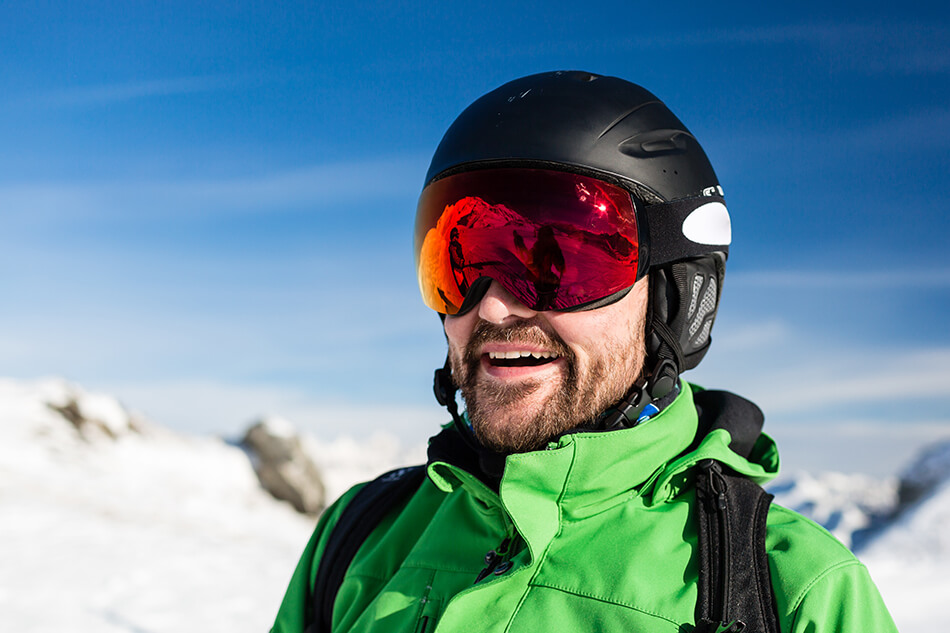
[{"x": 586, "y": 487}]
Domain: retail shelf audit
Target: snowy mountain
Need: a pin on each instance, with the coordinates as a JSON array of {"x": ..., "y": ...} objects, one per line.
[
  {"x": 848, "y": 505},
  {"x": 897, "y": 527},
  {"x": 127, "y": 527},
  {"x": 899, "y": 516}
]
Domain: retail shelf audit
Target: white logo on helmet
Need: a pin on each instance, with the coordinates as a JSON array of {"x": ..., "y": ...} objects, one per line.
[{"x": 709, "y": 224}]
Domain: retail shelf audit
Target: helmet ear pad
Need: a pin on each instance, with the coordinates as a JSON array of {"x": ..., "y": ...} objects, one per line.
[{"x": 684, "y": 298}]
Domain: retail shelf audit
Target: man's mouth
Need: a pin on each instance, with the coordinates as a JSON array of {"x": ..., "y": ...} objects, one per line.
[{"x": 520, "y": 358}]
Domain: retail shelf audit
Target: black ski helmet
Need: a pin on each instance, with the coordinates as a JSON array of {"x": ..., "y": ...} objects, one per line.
[{"x": 617, "y": 131}]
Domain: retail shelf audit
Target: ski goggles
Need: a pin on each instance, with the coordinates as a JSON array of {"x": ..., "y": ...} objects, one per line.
[{"x": 555, "y": 240}]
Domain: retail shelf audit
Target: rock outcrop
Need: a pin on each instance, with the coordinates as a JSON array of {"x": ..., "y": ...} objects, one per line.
[
  {"x": 284, "y": 468},
  {"x": 925, "y": 474}
]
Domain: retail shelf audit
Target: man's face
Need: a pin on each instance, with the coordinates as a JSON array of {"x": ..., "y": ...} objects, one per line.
[{"x": 529, "y": 376}]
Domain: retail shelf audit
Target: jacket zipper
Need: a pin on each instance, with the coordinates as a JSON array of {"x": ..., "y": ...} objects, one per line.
[{"x": 718, "y": 485}]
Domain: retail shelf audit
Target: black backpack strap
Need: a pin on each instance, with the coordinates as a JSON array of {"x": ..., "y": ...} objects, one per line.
[
  {"x": 360, "y": 517},
  {"x": 735, "y": 589}
]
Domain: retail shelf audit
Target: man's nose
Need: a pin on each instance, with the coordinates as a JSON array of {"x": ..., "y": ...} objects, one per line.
[{"x": 500, "y": 306}]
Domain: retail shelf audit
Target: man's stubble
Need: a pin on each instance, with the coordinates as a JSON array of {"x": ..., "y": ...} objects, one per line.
[{"x": 496, "y": 411}]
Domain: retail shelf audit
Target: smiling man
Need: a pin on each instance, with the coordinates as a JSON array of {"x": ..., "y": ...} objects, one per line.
[{"x": 572, "y": 236}]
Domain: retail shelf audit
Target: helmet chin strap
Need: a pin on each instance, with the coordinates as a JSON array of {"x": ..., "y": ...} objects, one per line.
[
  {"x": 491, "y": 462},
  {"x": 444, "y": 388},
  {"x": 664, "y": 358},
  {"x": 648, "y": 388}
]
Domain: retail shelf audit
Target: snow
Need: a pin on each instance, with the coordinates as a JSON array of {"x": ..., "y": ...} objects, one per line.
[
  {"x": 910, "y": 560},
  {"x": 110, "y": 523},
  {"x": 129, "y": 527},
  {"x": 896, "y": 526},
  {"x": 278, "y": 426},
  {"x": 845, "y": 504}
]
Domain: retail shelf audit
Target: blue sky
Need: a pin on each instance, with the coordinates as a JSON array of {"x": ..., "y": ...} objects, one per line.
[{"x": 207, "y": 209}]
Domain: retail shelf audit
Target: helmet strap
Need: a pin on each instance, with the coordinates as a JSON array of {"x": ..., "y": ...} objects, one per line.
[
  {"x": 649, "y": 388},
  {"x": 664, "y": 358},
  {"x": 444, "y": 388}
]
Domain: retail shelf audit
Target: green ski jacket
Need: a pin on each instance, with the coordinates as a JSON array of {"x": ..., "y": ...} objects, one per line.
[{"x": 596, "y": 533}]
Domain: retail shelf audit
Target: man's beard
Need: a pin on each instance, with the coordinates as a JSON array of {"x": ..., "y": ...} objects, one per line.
[{"x": 498, "y": 418}]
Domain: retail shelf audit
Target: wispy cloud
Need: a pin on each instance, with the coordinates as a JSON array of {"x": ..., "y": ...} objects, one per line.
[
  {"x": 317, "y": 186},
  {"x": 865, "y": 445},
  {"x": 863, "y": 377},
  {"x": 797, "y": 377},
  {"x": 803, "y": 148},
  {"x": 908, "y": 278},
  {"x": 106, "y": 94},
  {"x": 819, "y": 33},
  {"x": 752, "y": 337},
  {"x": 835, "y": 406},
  {"x": 915, "y": 131},
  {"x": 870, "y": 428}
]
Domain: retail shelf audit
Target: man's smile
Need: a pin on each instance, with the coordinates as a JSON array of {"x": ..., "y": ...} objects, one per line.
[
  {"x": 520, "y": 358},
  {"x": 516, "y": 360}
]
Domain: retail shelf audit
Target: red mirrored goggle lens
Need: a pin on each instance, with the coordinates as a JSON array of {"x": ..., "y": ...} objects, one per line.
[{"x": 555, "y": 240}]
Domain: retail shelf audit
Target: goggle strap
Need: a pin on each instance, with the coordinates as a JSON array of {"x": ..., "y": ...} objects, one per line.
[{"x": 668, "y": 241}]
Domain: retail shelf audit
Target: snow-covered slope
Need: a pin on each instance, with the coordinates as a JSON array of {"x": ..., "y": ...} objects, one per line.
[
  {"x": 898, "y": 528},
  {"x": 910, "y": 556},
  {"x": 109, "y": 523},
  {"x": 921, "y": 528},
  {"x": 847, "y": 505},
  {"x": 910, "y": 561},
  {"x": 119, "y": 525}
]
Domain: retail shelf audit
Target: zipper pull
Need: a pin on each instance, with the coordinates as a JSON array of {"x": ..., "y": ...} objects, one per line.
[
  {"x": 717, "y": 484},
  {"x": 492, "y": 558},
  {"x": 736, "y": 626}
]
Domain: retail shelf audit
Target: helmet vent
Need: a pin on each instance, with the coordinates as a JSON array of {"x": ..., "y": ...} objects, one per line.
[
  {"x": 694, "y": 296},
  {"x": 703, "y": 334},
  {"x": 655, "y": 143},
  {"x": 706, "y": 307}
]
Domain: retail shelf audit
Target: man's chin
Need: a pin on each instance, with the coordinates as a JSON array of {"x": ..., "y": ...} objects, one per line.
[
  {"x": 516, "y": 428},
  {"x": 508, "y": 438},
  {"x": 516, "y": 416}
]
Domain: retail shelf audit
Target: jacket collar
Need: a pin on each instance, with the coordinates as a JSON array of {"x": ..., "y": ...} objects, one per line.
[
  {"x": 578, "y": 475},
  {"x": 585, "y": 473}
]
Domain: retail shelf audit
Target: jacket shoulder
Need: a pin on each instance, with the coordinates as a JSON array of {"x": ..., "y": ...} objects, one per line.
[
  {"x": 291, "y": 616},
  {"x": 815, "y": 577}
]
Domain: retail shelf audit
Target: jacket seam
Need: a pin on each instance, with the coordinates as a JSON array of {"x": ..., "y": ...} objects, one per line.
[
  {"x": 591, "y": 596},
  {"x": 436, "y": 567},
  {"x": 432, "y": 568},
  {"x": 801, "y": 596}
]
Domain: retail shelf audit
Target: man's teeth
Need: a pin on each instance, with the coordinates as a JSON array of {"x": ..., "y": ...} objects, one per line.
[{"x": 513, "y": 355}]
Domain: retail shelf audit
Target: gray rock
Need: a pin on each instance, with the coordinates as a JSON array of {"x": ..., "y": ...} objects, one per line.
[{"x": 283, "y": 467}]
